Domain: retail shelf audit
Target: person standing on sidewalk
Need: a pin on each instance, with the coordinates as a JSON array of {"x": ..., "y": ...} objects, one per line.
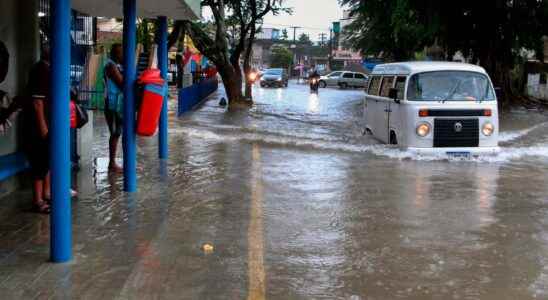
[
  {"x": 36, "y": 131},
  {"x": 7, "y": 108},
  {"x": 114, "y": 81}
]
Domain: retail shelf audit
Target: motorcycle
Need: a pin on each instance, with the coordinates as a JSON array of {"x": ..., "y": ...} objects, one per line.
[
  {"x": 314, "y": 84},
  {"x": 253, "y": 76}
]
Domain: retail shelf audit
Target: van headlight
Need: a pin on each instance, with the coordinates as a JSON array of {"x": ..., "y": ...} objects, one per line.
[
  {"x": 423, "y": 129},
  {"x": 488, "y": 129}
]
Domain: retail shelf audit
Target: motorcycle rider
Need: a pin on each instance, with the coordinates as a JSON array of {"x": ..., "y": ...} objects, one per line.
[{"x": 314, "y": 78}]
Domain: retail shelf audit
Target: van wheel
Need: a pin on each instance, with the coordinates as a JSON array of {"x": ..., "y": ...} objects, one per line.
[
  {"x": 323, "y": 84},
  {"x": 343, "y": 85},
  {"x": 393, "y": 138}
]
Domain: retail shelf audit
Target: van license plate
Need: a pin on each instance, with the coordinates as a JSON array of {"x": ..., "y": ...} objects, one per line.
[{"x": 459, "y": 154}]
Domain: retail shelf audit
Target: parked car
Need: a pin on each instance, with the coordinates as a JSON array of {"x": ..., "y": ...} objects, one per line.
[
  {"x": 433, "y": 108},
  {"x": 344, "y": 80},
  {"x": 275, "y": 78}
]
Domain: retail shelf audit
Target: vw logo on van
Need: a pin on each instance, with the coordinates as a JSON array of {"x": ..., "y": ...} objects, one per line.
[{"x": 458, "y": 127}]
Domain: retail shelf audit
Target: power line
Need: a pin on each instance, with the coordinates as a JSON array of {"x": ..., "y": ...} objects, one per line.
[
  {"x": 294, "y": 32},
  {"x": 291, "y": 26},
  {"x": 322, "y": 37}
]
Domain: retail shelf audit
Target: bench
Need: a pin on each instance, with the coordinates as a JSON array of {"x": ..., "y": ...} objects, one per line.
[{"x": 12, "y": 164}]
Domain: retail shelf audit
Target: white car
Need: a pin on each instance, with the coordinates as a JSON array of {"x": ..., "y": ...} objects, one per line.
[
  {"x": 344, "y": 79},
  {"x": 433, "y": 107}
]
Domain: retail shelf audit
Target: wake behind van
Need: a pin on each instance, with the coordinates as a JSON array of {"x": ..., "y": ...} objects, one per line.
[{"x": 433, "y": 107}]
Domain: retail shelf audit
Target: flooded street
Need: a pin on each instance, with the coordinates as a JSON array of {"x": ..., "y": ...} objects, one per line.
[
  {"x": 346, "y": 216},
  {"x": 296, "y": 203}
]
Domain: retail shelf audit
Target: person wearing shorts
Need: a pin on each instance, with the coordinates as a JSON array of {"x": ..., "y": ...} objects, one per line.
[
  {"x": 35, "y": 131},
  {"x": 114, "y": 80}
]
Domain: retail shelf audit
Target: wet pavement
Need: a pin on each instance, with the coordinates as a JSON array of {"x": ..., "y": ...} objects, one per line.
[{"x": 295, "y": 203}]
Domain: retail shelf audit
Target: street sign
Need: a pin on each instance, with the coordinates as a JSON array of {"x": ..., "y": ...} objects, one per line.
[{"x": 337, "y": 27}]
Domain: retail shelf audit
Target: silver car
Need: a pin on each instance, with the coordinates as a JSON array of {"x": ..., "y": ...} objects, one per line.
[
  {"x": 344, "y": 79},
  {"x": 275, "y": 78}
]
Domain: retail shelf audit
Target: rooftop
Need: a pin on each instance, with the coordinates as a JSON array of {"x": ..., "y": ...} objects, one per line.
[
  {"x": 425, "y": 66},
  {"x": 175, "y": 9}
]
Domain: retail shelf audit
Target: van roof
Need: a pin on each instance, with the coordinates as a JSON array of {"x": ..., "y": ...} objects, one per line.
[{"x": 407, "y": 68}]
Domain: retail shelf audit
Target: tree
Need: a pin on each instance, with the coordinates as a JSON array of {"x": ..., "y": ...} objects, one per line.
[
  {"x": 491, "y": 33},
  {"x": 280, "y": 57},
  {"x": 257, "y": 10},
  {"x": 304, "y": 39},
  {"x": 225, "y": 50},
  {"x": 496, "y": 41},
  {"x": 385, "y": 28},
  {"x": 284, "y": 35}
]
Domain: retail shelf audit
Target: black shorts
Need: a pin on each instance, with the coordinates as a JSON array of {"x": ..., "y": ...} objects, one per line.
[
  {"x": 37, "y": 152},
  {"x": 114, "y": 123}
]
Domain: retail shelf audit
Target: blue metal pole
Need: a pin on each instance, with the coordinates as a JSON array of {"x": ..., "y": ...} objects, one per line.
[
  {"x": 61, "y": 227},
  {"x": 162, "y": 62},
  {"x": 130, "y": 74}
]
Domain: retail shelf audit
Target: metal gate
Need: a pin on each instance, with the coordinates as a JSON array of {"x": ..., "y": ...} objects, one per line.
[{"x": 83, "y": 38}]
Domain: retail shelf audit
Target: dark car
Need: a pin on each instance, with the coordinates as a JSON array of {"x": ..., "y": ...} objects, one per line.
[{"x": 275, "y": 78}]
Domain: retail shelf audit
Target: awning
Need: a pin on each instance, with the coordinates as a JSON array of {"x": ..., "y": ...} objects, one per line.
[{"x": 173, "y": 9}]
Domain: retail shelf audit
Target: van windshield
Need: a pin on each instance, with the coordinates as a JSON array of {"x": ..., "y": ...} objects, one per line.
[{"x": 450, "y": 86}]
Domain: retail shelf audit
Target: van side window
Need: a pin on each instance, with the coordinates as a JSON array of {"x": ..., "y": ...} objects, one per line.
[
  {"x": 359, "y": 76},
  {"x": 400, "y": 85},
  {"x": 387, "y": 84},
  {"x": 348, "y": 75},
  {"x": 374, "y": 86}
]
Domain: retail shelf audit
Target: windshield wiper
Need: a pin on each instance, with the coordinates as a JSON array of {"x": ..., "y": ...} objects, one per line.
[{"x": 453, "y": 91}]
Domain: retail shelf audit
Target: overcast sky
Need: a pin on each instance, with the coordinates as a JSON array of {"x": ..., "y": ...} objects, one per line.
[{"x": 314, "y": 16}]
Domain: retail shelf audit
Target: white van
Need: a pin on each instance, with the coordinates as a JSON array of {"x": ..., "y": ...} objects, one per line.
[{"x": 433, "y": 107}]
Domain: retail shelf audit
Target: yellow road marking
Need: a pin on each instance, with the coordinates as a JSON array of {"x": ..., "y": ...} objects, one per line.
[{"x": 255, "y": 238}]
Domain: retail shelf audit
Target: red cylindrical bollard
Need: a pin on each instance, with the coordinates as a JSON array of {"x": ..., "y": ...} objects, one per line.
[{"x": 154, "y": 91}]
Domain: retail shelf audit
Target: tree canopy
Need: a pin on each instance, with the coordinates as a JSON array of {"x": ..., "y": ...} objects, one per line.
[
  {"x": 284, "y": 34},
  {"x": 280, "y": 57},
  {"x": 225, "y": 48},
  {"x": 492, "y": 33}
]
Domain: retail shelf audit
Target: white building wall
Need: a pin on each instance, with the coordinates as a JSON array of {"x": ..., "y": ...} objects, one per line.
[
  {"x": 535, "y": 88},
  {"x": 342, "y": 53}
]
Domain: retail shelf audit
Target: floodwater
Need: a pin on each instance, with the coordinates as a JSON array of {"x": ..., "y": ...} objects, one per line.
[{"x": 292, "y": 201}]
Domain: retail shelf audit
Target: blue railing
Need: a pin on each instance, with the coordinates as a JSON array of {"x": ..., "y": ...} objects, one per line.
[{"x": 190, "y": 96}]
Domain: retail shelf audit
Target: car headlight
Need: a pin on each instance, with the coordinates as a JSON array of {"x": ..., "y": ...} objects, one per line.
[
  {"x": 488, "y": 129},
  {"x": 279, "y": 79},
  {"x": 423, "y": 129}
]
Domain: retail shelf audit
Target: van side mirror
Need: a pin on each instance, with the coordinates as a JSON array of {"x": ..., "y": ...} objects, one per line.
[{"x": 393, "y": 94}]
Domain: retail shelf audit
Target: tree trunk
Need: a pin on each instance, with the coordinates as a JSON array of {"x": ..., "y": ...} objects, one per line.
[
  {"x": 233, "y": 85},
  {"x": 247, "y": 63},
  {"x": 217, "y": 51},
  {"x": 499, "y": 67}
]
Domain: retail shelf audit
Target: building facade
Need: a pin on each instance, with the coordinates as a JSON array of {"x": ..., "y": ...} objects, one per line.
[{"x": 345, "y": 58}]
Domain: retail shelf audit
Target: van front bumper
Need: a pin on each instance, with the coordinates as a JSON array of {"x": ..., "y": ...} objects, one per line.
[{"x": 456, "y": 152}]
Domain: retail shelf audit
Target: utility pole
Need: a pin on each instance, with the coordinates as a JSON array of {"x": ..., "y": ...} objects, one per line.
[
  {"x": 294, "y": 46},
  {"x": 330, "y": 57},
  {"x": 322, "y": 38},
  {"x": 294, "y": 33}
]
